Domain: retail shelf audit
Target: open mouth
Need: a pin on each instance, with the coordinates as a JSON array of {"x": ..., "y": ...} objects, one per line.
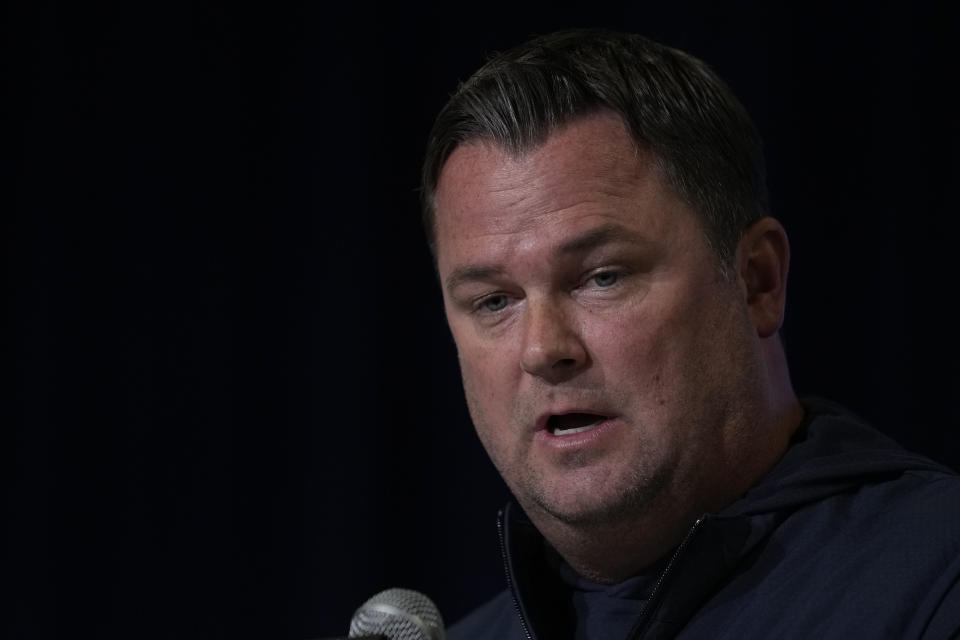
[{"x": 571, "y": 423}]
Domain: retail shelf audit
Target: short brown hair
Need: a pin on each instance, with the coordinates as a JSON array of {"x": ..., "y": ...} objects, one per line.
[{"x": 672, "y": 103}]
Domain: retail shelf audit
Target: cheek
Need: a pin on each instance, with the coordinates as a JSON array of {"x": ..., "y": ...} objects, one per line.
[
  {"x": 492, "y": 428},
  {"x": 657, "y": 359},
  {"x": 488, "y": 366},
  {"x": 702, "y": 361},
  {"x": 491, "y": 387},
  {"x": 486, "y": 388},
  {"x": 481, "y": 371},
  {"x": 630, "y": 349}
]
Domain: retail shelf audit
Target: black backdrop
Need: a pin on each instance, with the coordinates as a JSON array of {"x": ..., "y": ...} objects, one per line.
[{"x": 235, "y": 410}]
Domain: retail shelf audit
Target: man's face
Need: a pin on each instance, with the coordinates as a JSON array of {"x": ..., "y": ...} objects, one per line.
[{"x": 607, "y": 365}]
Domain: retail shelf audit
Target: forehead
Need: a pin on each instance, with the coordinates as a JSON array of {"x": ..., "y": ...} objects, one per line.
[
  {"x": 589, "y": 172},
  {"x": 594, "y": 153}
]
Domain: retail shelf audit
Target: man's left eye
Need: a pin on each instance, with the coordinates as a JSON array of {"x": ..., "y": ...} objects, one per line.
[{"x": 605, "y": 278}]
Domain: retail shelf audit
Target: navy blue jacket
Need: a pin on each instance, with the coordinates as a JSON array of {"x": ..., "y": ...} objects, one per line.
[{"x": 849, "y": 536}]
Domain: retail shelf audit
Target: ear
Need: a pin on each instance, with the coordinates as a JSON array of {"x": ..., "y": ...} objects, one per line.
[{"x": 763, "y": 257}]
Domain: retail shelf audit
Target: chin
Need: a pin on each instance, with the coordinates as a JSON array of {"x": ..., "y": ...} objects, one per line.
[{"x": 585, "y": 505}]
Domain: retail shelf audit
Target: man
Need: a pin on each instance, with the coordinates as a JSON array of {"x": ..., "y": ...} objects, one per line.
[{"x": 615, "y": 287}]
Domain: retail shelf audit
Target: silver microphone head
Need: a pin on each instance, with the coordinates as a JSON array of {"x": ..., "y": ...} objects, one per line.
[{"x": 398, "y": 614}]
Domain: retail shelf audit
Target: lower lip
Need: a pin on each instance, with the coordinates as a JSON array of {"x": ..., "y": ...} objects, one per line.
[{"x": 575, "y": 440}]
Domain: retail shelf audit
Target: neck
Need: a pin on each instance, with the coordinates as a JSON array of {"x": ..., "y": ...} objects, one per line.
[{"x": 637, "y": 547}]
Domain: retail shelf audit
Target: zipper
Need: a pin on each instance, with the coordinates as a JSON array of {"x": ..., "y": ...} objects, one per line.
[
  {"x": 504, "y": 554},
  {"x": 639, "y": 629}
]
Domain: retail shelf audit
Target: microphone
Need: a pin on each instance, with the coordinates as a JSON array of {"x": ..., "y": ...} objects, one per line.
[{"x": 398, "y": 614}]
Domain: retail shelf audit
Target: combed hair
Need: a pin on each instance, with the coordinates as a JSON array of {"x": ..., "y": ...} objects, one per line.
[{"x": 673, "y": 105}]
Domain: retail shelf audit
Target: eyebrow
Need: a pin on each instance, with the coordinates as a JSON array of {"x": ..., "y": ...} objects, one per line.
[
  {"x": 592, "y": 239},
  {"x": 472, "y": 273},
  {"x": 599, "y": 236}
]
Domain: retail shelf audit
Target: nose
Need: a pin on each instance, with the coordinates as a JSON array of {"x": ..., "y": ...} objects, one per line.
[{"x": 552, "y": 346}]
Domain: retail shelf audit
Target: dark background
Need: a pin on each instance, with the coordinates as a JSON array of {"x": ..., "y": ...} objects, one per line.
[{"x": 235, "y": 410}]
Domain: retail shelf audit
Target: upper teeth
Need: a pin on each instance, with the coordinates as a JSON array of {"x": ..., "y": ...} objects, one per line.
[{"x": 565, "y": 432}]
